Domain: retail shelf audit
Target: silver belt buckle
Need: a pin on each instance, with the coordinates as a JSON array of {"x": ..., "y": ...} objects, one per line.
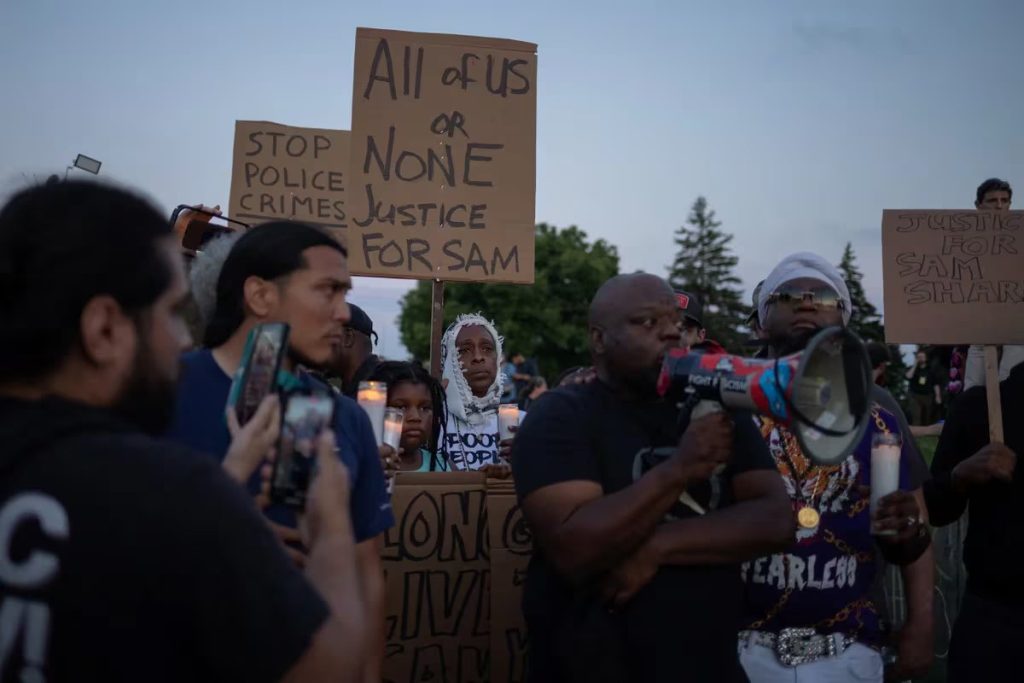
[{"x": 797, "y": 646}]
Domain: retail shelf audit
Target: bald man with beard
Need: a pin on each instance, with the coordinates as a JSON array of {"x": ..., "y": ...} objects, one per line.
[{"x": 628, "y": 583}]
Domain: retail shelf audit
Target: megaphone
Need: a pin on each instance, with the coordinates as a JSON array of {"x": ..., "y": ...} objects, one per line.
[{"x": 821, "y": 393}]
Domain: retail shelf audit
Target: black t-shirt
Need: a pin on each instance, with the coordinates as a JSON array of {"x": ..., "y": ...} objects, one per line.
[
  {"x": 135, "y": 560},
  {"x": 994, "y": 547},
  {"x": 923, "y": 380},
  {"x": 680, "y": 627},
  {"x": 363, "y": 373}
]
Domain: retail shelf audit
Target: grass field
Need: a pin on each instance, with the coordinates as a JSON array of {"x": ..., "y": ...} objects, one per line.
[{"x": 927, "y": 445}]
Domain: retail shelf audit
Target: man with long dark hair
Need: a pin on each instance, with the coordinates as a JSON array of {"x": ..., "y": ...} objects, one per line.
[{"x": 297, "y": 274}]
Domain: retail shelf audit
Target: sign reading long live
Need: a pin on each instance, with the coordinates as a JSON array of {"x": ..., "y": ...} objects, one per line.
[
  {"x": 953, "y": 277},
  {"x": 443, "y": 157}
]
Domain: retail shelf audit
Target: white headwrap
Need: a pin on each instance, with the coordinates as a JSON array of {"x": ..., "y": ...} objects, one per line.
[
  {"x": 461, "y": 402},
  {"x": 803, "y": 264}
]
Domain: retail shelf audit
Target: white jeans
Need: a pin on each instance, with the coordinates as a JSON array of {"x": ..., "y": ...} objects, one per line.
[{"x": 858, "y": 663}]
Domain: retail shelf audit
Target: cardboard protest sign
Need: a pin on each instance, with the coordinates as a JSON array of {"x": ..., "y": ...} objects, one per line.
[
  {"x": 454, "y": 580},
  {"x": 443, "y": 159},
  {"x": 953, "y": 277},
  {"x": 511, "y": 547},
  {"x": 287, "y": 173}
]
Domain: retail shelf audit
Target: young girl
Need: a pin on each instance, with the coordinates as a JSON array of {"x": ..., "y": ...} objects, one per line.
[{"x": 412, "y": 389}]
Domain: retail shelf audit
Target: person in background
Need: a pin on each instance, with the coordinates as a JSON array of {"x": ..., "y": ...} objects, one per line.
[
  {"x": 992, "y": 195},
  {"x": 354, "y": 360},
  {"x": 526, "y": 370},
  {"x": 535, "y": 390},
  {"x": 470, "y": 349},
  {"x": 691, "y": 313},
  {"x": 957, "y": 363},
  {"x": 969, "y": 468},
  {"x": 809, "y": 611},
  {"x": 297, "y": 274},
  {"x": 421, "y": 397},
  {"x": 878, "y": 354},
  {"x": 925, "y": 393},
  {"x": 508, "y": 380},
  {"x": 125, "y": 557}
]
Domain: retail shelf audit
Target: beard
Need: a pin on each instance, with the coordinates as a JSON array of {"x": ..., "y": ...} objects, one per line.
[
  {"x": 792, "y": 341},
  {"x": 148, "y": 399},
  {"x": 643, "y": 382}
]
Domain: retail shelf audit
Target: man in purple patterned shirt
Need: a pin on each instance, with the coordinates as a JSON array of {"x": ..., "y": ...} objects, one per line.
[{"x": 809, "y": 613}]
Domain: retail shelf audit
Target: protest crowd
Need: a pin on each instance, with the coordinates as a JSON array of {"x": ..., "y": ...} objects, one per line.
[
  {"x": 209, "y": 470},
  {"x": 136, "y": 507}
]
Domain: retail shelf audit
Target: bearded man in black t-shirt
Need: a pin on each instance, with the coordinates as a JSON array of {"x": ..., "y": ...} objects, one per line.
[
  {"x": 631, "y": 579},
  {"x": 124, "y": 557}
]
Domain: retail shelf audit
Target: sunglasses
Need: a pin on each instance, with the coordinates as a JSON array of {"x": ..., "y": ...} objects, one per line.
[{"x": 823, "y": 298}]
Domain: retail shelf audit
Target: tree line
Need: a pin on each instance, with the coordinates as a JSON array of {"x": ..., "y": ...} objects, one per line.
[{"x": 548, "y": 321}]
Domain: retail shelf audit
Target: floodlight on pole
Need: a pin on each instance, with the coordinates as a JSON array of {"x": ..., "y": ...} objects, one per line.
[{"x": 87, "y": 164}]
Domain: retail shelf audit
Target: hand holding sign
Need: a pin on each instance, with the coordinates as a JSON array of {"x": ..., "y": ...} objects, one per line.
[{"x": 994, "y": 462}]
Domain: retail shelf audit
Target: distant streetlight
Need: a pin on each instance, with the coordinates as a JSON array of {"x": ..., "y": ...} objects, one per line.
[{"x": 87, "y": 164}]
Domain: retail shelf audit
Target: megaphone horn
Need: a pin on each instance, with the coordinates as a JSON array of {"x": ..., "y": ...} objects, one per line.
[{"x": 822, "y": 393}]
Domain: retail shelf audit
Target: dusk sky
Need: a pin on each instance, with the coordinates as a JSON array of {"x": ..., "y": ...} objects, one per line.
[{"x": 799, "y": 121}]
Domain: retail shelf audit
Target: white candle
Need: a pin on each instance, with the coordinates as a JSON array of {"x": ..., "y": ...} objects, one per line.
[
  {"x": 393, "y": 420},
  {"x": 885, "y": 471},
  {"x": 508, "y": 417},
  {"x": 373, "y": 397}
]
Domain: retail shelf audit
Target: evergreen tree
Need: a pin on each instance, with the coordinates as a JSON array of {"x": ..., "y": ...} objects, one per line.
[
  {"x": 866, "y": 322},
  {"x": 704, "y": 267},
  {"x": 864, "y": 319}
]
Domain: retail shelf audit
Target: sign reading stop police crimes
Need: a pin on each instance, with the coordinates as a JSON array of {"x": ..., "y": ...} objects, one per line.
[
  {"x": 288, "y": 173},
  {"x": 953, "y": 277},
  {"x": 443, "y": 160}
]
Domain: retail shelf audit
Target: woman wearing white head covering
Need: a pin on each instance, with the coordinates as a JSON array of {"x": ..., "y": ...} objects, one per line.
[{"x": 470, "y": 350}]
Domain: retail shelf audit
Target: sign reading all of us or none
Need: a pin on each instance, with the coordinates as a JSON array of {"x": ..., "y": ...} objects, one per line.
[
  {"x": 443, "y": 166},
  {"x": 288, "y": 173},
  {"x": 953, "y": 277}
]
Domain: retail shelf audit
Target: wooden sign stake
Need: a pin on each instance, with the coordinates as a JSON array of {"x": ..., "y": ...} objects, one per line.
[
  {"x": 995, "y": 408},
  {"x": 436, "y": 327}
]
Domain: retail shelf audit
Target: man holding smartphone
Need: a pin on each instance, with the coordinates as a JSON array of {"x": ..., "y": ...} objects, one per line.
[
  {"x": 123, "y": 557},
  {"x": 296, "y": 274}
]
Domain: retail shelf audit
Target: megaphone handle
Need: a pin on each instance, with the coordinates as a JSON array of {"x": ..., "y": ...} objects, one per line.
[{"x": 705, "y": 407}]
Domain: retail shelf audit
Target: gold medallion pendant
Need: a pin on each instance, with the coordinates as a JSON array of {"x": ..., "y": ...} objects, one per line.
[{"x": 808, "y": 517}]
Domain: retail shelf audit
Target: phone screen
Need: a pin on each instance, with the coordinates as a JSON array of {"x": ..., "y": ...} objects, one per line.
[
  {"x": 305, "y": 417},
  {"x": 261, "y": 361}
]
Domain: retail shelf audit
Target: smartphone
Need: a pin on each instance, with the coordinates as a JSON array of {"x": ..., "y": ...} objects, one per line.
[
  {"x": 257, "y": 375},
  {"x": 201, "y": 229},
  {"x": 305, "y": 417},
  {"x": 199, "y": 232}
]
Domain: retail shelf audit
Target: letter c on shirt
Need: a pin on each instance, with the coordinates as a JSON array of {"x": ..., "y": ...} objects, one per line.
[{"x": 40, "y": 566}]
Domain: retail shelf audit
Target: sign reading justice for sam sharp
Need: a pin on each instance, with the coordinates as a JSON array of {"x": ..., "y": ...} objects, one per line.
[
  {"x": 953, "y": 277},
  {"x": 443, "y": 160}
]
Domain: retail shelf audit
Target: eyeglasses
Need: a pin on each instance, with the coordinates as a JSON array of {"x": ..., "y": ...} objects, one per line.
[{"x": 823, "y": 298}]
